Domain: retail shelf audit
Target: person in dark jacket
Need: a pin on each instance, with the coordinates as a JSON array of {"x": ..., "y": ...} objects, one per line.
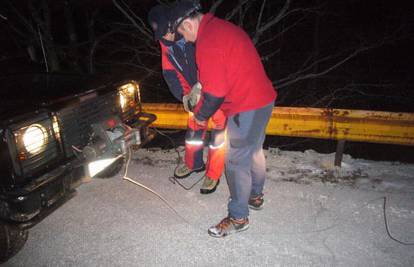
[
  {"x": 180, "y": 73},
  {"x": 234, "y": 80}
]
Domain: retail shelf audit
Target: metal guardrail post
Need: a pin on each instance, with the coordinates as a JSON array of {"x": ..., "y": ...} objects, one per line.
[{"x": 339, "y": 152}]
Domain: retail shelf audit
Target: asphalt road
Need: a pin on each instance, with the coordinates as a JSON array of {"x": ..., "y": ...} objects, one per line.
[{"x": 112, "y": 222}]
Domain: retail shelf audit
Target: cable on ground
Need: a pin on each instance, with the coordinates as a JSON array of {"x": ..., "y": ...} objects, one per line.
[
  {"x": 172, "y": 179},
  {"x": 125, "y": 177},
  {"x": 387, "y": 228}
]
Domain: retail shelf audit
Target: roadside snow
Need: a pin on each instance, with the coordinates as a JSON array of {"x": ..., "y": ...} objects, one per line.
[
  {"x": 304, "y": 167},
  {"x": 310, "y": 167}
]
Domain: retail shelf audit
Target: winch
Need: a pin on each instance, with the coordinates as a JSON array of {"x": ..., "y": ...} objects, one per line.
[{"x": 109, "y": 142}]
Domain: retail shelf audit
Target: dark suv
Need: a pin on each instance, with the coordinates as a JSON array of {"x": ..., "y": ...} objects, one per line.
[{"x": 56, "y": 132}]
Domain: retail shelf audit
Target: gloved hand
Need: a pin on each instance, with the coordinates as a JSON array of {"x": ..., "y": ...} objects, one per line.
[{"x": 190, "y": 100}]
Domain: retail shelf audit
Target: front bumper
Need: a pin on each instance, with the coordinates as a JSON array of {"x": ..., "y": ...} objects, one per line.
[{"x": 28, "y": 205}]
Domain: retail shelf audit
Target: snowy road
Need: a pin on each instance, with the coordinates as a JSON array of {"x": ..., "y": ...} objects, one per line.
[{"x": 305, "y": 222}]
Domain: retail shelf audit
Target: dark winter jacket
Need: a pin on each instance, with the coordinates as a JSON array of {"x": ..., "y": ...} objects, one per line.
[{"x": 178, "y": 66}]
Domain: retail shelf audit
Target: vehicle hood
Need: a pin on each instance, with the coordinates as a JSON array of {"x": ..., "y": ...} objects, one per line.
[{"x": 24, "y": 93}]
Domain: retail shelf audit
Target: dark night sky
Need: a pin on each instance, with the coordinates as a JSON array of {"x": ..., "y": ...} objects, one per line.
[
  {"x": 377, "y": 79},
  {"x": 334, "y": 26}
]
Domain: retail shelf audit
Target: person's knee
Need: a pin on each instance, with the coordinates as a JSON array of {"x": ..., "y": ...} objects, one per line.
[
  {"x": 239, "y": 163},
  {"x": 217, "y": 139}
]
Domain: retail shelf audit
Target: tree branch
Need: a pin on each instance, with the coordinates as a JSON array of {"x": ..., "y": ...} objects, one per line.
[
  {"x": 300, "y": 74},
  {"x": 141, "y": 27},
  {"x": 215, "y": 6},
  {"x": 271, "y": 22}
]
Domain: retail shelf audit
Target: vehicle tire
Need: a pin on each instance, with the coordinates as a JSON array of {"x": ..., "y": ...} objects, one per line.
[
  {"x": 111, "y": 170},
  {"x": 12, "y": 240}
]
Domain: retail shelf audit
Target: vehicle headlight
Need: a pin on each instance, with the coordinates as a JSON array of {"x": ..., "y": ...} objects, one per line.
[
  {"x": 35, "y": 138},
  {"x": 35, "y": 142},
  {"x": 129, "y": 97}
]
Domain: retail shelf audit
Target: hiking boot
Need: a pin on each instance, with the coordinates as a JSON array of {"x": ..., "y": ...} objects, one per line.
[
  {"x": 183, "y": 171},
  {"x": 228, "y": 226},
  {"x": 209, "y": 185},
  {"x": 256, "y": 203}
]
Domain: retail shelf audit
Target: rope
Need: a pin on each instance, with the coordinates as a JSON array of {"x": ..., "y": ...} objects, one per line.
[{"x": 125, "y": 177}]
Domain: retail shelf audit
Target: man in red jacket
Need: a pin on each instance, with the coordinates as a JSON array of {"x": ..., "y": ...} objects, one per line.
[
  {"x": 235, "y": 81},
  {"x": 180, "y": 73}
]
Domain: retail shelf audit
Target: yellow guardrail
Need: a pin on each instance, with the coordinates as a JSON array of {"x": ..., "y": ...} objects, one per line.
[{"x": 336, "y": 124}]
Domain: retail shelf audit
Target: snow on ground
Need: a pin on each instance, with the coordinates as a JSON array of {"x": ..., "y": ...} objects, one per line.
[
  {"x": 315, "y": 215},
  {"x": 308, "y": 166}
]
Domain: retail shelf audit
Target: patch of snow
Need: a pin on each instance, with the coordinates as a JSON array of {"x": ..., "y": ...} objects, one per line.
[{"x": 311, "y": 166}]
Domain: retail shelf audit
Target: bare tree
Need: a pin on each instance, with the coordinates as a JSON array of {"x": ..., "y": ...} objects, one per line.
[
  {"x": 34, "y": 24},
  {"x": 124, "y": 44},
  {"x": 36, "y": 31},
  {"x": 266, "y": 22}
]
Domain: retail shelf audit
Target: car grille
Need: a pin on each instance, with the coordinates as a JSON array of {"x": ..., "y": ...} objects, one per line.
[{"x": 75, "y": 120}]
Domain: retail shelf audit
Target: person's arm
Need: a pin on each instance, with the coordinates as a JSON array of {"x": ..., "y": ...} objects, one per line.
[
  {"x": 209, "y": 104},
  {"x": 171, "y": 78},
  {"x": 174, "y": 79},
  {"x": 212, "y": 71}
]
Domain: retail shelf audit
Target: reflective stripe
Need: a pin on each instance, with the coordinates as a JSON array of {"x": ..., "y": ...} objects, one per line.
[
  {"x": 216, "y": 147},
  {"x": 176, "y": 62},
  {"x": 194, "y": 142}
]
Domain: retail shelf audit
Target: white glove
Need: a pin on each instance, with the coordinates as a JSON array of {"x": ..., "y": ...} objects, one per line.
[{"x": 190, "y": 100}]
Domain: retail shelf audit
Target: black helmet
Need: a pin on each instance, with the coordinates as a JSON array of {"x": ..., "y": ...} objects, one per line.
[
  {"x": 158, "y": 18},
  {"x": 183, "y": 10}
]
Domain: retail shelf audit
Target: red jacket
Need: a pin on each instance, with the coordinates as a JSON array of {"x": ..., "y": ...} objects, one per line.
[{"x": 230, "y": 70}]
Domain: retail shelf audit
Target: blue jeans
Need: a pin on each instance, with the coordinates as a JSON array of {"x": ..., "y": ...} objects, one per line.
[{"x": 245, "y": 161}]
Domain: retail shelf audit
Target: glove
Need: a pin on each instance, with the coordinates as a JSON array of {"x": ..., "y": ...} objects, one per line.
[{"x": 190, "y": 100}]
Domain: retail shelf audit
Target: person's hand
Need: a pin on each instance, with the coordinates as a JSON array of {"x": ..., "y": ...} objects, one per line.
[
  {"x": 187, "y": 106},
  {"x": 200, "y": 123},
  {"x": 191, "y": 100}
]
